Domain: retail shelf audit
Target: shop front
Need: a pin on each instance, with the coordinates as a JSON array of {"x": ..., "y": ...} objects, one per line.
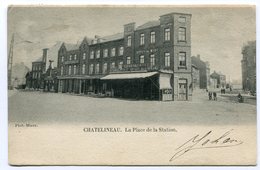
[{"x": 139, "y": 85}]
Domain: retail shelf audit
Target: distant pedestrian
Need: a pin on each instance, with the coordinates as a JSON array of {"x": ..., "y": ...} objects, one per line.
[
  {"x": 215, "y": 95},
  {"x": 240, "y": 98},
  {"x": 210, "y": 95}
]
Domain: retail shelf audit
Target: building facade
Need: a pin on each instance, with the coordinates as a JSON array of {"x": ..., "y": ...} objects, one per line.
[
  {"x": 151, "y": 61},
  {"x": 195, "y": 77},
  {"x": 40, "y": 77},
  {"x": 248, "y": 64},
  {"x": 204, "y": 71},
  {"x": 218, "y": 80},
  {"x": 35, "y": 78}
]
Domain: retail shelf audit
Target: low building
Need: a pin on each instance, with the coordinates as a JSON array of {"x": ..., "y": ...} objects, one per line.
[
  {"x": 19, "y": 72},
  {"x": 219, "y": 80},
  {"x": 151, "y": 61},
  {"x": 248, "y": 64},
  {"x": 50, "y": 79},
  {"x": 204, "y": 71}
]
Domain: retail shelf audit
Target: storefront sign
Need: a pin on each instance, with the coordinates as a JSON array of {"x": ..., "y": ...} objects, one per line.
[{"x": 166, "y": 91}]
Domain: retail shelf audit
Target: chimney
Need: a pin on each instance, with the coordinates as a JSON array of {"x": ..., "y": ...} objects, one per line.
[
  {"x": 44, "y": 58},
  {"x": 45, "y": 54},
  {"x": 198, "y": 56}
]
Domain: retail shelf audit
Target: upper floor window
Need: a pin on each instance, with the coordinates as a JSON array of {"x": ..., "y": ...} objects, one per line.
[
  {"x": 182, "y": 59},
  {"x": 152, "y": 37},
  {"x": 141, "y": 39},
  {"x": 69, "y": 70},
  {"x": 113, "y": 52},
  {"x": 70, "y": 57},
  {"x": 105, "y": 68},
  {"x": 91, "y": 69},
  {"x": 167, "y": 59},
  {"x": 129, "y": 41},
  {"x": 182, "y": 34},
  {"x": 182, "y": 19},
  {"x": 91, "y": 54},
  {"x": 75, "y": 69},
  {"x": 152, "y": 60},
  {"x": 98, "y": 54},
  {"x": 105, "y": 52},
  {"x": 75, "y": 57},
  {"x": 113, "y": 65},
  {"x": 61, "y": 70},
  {"x": 84, "y": 56},
  {"x": 167, "y": 34},
  {"x": 128, "y": 60},
  {"x": 141, "y": 59},
  {"x": 120, "y": 65},
  {"x": 97, "y": 68},
  {"x": 62, "y": 58},
  {"x": 121, "y": 51},
  {"x": 83, "y": 68}
]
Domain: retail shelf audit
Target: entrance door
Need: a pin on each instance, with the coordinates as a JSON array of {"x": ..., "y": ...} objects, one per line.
[
  {"x": 82, "y": 86},
  {"x": 182, "y": 89}
]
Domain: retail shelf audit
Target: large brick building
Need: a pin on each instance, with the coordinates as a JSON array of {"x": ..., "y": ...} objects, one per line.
[
  {"x": 151, "y": 61},
  {"x": 248, "y": 64}
]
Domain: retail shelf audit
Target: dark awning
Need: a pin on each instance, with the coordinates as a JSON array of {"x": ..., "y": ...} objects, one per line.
[{"x": 128, "y": 76}]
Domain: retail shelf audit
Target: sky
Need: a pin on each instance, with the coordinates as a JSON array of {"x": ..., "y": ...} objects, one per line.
[{"x": 217, "y": 33}]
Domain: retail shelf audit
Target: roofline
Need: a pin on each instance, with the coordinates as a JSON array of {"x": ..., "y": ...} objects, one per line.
[
  {"x": 73, "y": 50},
  {"x": 176, "y": 13},
  {"x": 37, "y": 62},
  {"x": 146, "y": 28},
  {"x": 106, "y": 42}
]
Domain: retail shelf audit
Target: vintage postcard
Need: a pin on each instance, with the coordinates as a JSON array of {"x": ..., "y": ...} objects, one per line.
[{"x": 132, "y": 85}]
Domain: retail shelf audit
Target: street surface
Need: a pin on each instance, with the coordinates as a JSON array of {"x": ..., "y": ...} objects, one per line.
[
  {"x": 65, "y": 108},
  {"x": 57, "y": 129}
]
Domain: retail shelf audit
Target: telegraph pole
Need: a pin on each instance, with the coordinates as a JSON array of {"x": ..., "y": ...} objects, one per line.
[{"x": 10, "y": 64}]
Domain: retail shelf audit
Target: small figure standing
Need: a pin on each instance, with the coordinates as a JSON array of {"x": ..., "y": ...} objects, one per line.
[
  {"x": 215, "y": 95},
  {"x": 210, "y": 95},
  {"x": 240, "y": 98}
]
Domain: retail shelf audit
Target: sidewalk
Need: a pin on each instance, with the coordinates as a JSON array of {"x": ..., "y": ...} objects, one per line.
[
  {"x": 200, "y": 96},
  {"x": 248, "y": 99}
]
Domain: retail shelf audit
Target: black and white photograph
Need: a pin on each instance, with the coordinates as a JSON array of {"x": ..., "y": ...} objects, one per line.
[{"x": 132, "y": 85}]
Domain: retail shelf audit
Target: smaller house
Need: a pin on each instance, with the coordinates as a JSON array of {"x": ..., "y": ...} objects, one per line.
[{"x": 219, "y": 79}]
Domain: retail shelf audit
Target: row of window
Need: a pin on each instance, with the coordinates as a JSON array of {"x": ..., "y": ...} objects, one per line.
[
  {"x": 36, "y": 68},
  {"x": 182, "y": 62},
  {"x": 167, "y": 36},
  {"x": 36, "y": 75},
  {"x": 71, "y": 57},
  {"x": 97, "y": 54},
  {"x": 182, "y": 59},
  {"x": 105, "y": 53}
]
